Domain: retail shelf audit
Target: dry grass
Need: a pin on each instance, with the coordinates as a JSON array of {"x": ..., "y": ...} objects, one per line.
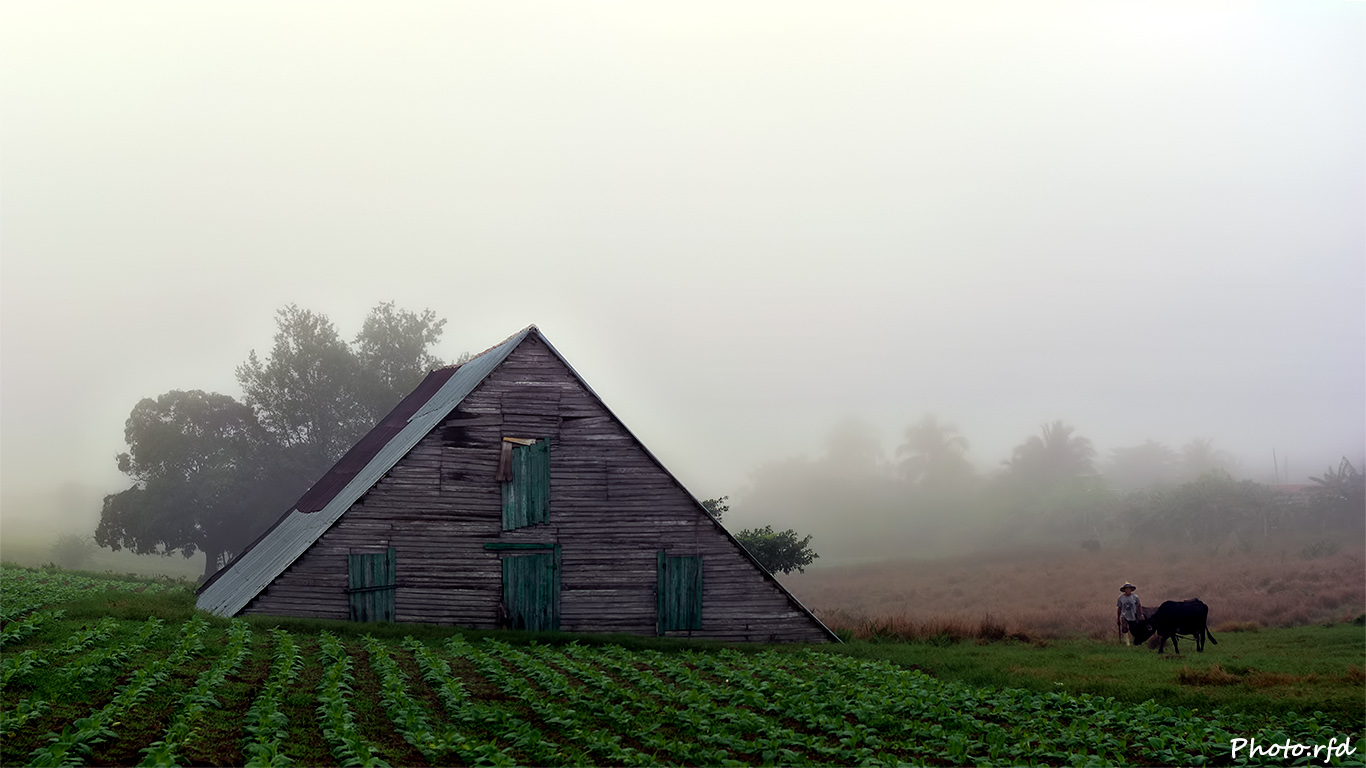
[
  {"x": 935, "y": 630},
  {"x": 1212, "y": 675},
  {"x": 1042, "y": 594}
]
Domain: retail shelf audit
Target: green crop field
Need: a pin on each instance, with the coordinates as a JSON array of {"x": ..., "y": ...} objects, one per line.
[{"x": 112, "y": 672}]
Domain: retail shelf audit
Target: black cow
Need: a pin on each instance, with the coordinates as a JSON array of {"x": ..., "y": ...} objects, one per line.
[{"x": 1188, "y": 618}]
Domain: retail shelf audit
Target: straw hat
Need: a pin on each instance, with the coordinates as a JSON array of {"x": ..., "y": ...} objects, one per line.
[{"x": 1127, "y": 585}]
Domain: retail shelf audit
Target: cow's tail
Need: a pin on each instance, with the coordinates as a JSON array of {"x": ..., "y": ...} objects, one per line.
[{"x": 1210, "y": 635}]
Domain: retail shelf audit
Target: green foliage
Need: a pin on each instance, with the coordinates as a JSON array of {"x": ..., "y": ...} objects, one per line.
[
  {"x": 716, "y": 507},
  {"x": 74, "y": 744},
  {"x": 266, "y": 725},
  {"x": 1199, "y": 457},
  {"x": 1340, "y": 498},
  {"x": 1209, "y": 509},
  {"x": 318, "y": 395},
  {"x": 1056, "y": 455},
  {"x": 198, "y": 700},
  {"x": 23, "y": 590},
  {"x": 1142, "y": 466},
  {"x": 306, "y": 393},
  {"x": 1276, "y": 671},
  {"x": 393, "y": 354},
  {"x": 933, "y": 454},
  {"x": 777, "y": 551},
  {"x": 201, "y": 465},
  {"x": 73, "y": 550},
  {"x": 334, "y": 707},
  {"x": 496, "y": 702},
  {"x": 211, "y": 473}
]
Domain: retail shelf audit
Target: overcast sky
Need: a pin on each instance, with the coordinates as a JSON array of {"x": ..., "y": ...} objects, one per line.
[{"x": 741, "y": 222}]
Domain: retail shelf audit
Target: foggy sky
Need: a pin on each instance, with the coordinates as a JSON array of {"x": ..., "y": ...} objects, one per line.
[{"x": 741, "y": 223}]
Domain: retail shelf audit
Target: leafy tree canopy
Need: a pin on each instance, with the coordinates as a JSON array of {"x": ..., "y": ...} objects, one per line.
[
  {"x": 933, "y": 453},
  {"x": 200, "y": 462},
  {"x": 777, "y": 551},
  {"x": 210, "y": 473},
  {"x": 393, "y": 351},
  {"x": 1142, "y": 466},
  {"x": 1055, "y": 455},
  {"x": 1199, "y": 457},
  {"x": 73, "y": 551},
  {"x": 317, "y": 395},
  {"x": 1340, "y": 497}
]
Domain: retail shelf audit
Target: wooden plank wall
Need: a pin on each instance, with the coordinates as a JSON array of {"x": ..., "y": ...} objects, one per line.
[{"x": 611, "y": 509}]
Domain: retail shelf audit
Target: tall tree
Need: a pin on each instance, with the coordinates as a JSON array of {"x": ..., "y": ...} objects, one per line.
[
  {"x": 852, "y": 448},
  {"x": 1054, "y": 455},
  {"x": 318, "y": 395},
  {"x": 307, "y": 393},
  {"x": 1340, "y": 498},
  {"x": 393, "y": 352},
  {"x": 933, "y": 453},
  {"x": 1142, "y": 466},
  {"x": 211, "y": 473},
  {"x": 1200, "y": 457},
  {"x": 201, "y": 464}
]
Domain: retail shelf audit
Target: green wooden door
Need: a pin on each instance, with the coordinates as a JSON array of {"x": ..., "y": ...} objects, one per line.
[
  {"x": 531, "y": 590},
  {"x": 679, "y": 590},
  {"x": 526, "y": 497},
  {"x": 372, "y": 585}
]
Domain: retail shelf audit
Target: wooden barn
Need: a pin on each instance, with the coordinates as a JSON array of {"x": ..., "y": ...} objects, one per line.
[{"x": 504, "y": 493}]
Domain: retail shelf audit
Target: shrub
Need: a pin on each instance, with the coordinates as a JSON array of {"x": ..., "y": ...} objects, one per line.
[{"x": 73, "y": 551}]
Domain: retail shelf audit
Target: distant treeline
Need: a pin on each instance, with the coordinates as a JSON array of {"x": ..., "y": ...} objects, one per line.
[{"x": 928, "y": 499}]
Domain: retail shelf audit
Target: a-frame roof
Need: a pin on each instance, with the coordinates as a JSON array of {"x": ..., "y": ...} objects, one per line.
[{"x": 232, "y": 588}]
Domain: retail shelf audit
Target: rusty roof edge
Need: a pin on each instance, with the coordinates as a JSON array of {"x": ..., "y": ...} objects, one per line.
[
  {"x": 764, "y": 571},
  {"x": 245, "y": 578}
]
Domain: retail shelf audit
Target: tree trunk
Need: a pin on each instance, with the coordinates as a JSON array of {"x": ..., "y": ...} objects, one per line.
[{"x": 211, "y": 555}]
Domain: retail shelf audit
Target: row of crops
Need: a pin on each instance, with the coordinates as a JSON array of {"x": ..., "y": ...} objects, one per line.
[
  {"x": 23, "y": 590},
  {"x": 163, "y": 693}
]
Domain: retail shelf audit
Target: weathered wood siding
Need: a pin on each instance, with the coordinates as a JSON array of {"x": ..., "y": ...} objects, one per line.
[{"x": 612, "y": 508}]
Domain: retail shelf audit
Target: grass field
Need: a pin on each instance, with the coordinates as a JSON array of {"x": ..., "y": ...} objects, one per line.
[
  {"x": 118, "y": 672},
  {"x": 1268, "y": 672}
]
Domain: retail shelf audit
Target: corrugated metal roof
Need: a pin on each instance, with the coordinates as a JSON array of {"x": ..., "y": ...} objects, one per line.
[{"x": 231, "y": 589}]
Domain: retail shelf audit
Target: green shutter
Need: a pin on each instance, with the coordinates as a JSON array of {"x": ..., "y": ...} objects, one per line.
[
  {"x": 531, "y": 590},
  {"x": 526, "y": 498},
  {"x": 679, "y": 593},
  {"x": 661, "y": 588},
  {"x": 372, "y": 579}
]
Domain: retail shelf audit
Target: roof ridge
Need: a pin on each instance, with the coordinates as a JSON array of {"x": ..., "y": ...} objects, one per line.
[{"x": 531, "y": 327}]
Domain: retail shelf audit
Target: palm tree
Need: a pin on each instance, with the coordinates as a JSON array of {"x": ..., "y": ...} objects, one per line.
[
  {"x": 1055, "y": 455},
  {"x": 852, "y": 448},
  {"x": 933, "y": 453},
  {"x": 1142, "y": 466},
  {"x": 1199, "y": 457}
]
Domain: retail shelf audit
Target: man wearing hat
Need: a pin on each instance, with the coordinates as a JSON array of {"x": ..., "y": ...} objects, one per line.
[{"x": 1130, "y": 609}]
